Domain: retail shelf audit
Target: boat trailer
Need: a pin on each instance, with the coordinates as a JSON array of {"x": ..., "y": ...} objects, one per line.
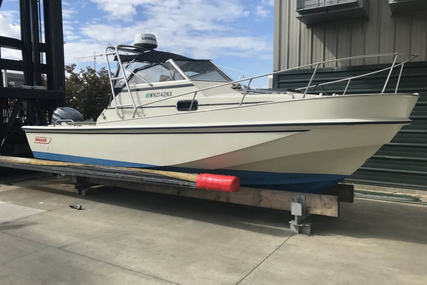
[{"x": 301, "y": 205}]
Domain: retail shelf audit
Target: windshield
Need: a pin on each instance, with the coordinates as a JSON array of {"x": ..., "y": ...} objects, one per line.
[
  {"x": 202, "y": 70},
  {"x": 143, "y": 72},
  {"x": 155, "y": 73}
]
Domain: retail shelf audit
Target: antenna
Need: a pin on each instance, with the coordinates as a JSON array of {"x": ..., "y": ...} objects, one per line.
[
  {"x": 93, "y": 57},
  {"x": 94, "y": 60}
]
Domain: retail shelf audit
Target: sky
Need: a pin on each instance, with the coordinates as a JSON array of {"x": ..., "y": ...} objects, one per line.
[{"x": 236, "y": 34}]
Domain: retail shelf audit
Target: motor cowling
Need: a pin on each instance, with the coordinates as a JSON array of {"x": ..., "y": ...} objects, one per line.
[{"x": 66, "y": 113}]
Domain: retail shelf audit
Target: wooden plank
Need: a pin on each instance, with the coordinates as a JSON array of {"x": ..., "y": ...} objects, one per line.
[
  {"x": 344, "y": 192},
  {"x": 191, "y": 177},
  {"x": 317, "y": 204},
  {"x": 103, "y": 173},
  {"x": 35, "y": 163},
  {"x": 166, "y": 182}
]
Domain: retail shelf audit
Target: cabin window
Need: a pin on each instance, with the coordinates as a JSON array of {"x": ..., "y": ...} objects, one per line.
[
  {"x": 202, "y": 70},
  {"x": 184, "y": 105}
]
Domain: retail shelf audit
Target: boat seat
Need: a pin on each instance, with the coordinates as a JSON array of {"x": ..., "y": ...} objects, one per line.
[{"x": 164, "y": 78}]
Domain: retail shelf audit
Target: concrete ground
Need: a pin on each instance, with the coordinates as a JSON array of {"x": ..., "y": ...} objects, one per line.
[{"x": 130, "y": 237}]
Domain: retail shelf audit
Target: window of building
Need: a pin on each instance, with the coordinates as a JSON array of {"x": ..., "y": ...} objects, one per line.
[
  {"x": 402, "y": 6},
  {"x": 317, "y": 11},
  {"x": 307, "y": 5}
]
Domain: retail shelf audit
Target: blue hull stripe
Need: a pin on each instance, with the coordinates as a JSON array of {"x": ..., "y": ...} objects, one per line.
[{"x": 298, "y": 182}]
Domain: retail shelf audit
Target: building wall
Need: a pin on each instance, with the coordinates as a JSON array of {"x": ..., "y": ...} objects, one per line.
[
  {"x": 403, "y": 161},
  {"x": 297, "y": 44}
]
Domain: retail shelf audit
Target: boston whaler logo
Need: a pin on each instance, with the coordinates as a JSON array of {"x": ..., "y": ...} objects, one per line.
[
  {"x": 42, "y": 140},
  {"x": 158, "y": 94}
]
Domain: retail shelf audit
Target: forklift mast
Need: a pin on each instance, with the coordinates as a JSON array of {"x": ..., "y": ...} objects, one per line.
[{"x": 41, "y": 72}]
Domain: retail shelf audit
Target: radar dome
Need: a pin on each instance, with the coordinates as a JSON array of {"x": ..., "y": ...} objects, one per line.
[{"x": 146, "y": 41}]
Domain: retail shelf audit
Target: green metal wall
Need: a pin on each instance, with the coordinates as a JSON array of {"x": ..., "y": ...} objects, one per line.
[
  {"x": 402, "y": 162},
  {"x": 381, "y": 31}
]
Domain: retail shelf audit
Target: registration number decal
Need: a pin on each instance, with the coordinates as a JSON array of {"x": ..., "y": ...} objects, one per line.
[{"x": 158, "y": 94}]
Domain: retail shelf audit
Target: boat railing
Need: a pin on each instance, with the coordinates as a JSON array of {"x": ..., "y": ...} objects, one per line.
[
  {"x": 115, "y": 52},
  {"x": 349, "y": 79},
  {"x": 304, "y": 90}
]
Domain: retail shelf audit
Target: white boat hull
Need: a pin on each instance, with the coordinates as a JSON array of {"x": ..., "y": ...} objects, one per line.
[{"x": 294, "y": 145}]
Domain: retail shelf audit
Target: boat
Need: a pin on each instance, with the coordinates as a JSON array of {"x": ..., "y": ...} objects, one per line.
[{"x": 172, "y": 112}]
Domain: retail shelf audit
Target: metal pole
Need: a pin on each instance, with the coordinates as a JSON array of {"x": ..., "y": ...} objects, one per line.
[
  {"x": 246, "y": 92},
  {"x": 1, "y": 71},
  {"x": 398, "y": 79},
  {"x": 346, "y": 87},
  {"x": 389, "y": 74},
  {"x": 119, "y": 60},
  {"x": 192, "y": 101},
  {"x": 34, "y": 14},
  {"x": 53, "y": 31},
  {"x": 25, "y": 20},
  {"x": 4, "y": 75},
  {"x": 111, "y": 82},
  {"x": 311, "y": 80}
]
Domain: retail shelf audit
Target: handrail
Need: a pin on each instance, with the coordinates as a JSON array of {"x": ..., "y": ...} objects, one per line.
[
  {"x": 115, "y": 51},
  {"x": 119, "y": 60},
  {"x": 246, "y": 91},
  {"x": 364, "y": 75},
  {"x": 389, "y": 74},
  {"x": 311, "y": 79},
  {"x": 250, "y": 79},
  {"x": 400, "y": 76},
  {"x": 284, "y": 70},
  {"x": 111, "y": 79}
]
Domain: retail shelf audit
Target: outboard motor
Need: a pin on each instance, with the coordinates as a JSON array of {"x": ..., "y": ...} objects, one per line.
[
  {"x": 145, "y": 41},
  {"x": 66, "y": 113}
]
